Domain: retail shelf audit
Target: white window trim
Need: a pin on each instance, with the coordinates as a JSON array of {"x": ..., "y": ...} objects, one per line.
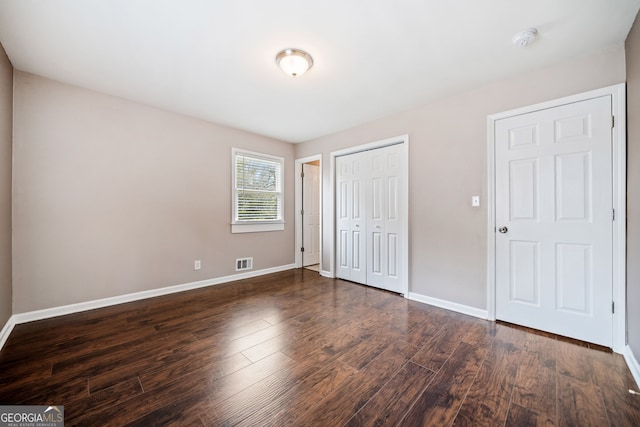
[{"x": 255, "y": 226}]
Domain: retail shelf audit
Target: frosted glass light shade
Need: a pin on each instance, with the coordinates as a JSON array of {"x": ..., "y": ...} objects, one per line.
[{"x": 294, "y": 62}]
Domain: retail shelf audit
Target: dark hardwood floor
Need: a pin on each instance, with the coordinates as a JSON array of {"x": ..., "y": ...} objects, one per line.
[{"x": 294, "y": 348}]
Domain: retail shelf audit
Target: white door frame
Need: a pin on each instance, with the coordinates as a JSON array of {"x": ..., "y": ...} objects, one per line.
[
  {"x": 298, "y": 206},
  {"x": 619, "y": 155},
  {"x": 331, "y": 199}
]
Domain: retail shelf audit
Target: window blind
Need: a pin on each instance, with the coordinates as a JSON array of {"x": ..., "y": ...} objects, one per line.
[{"x": 258, "y": 188}]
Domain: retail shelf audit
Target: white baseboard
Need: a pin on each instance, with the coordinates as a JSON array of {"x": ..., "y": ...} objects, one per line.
[
  {"x": 633, "y": 364},
  {"x": 327, "y": 274},
  {"x": 6, "y": 330},
  {"x": 448, "y": 305},
  {"x": 120, "y": 299}
]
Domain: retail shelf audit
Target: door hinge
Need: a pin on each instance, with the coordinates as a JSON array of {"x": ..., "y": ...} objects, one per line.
[
  {"x": 613, "y": 215},
  {"x": 613, "y": 121},
  {"x": 613, "y": 307},
  {"x": 301, "y": 174},
  {"x": 302, "y": 249},
  {"x": 302, "y": 212}
]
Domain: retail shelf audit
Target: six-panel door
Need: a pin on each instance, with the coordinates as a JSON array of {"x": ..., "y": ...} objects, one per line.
[
  {"x": 369, "y": 221},
  {"x": 554, "y": 220}
]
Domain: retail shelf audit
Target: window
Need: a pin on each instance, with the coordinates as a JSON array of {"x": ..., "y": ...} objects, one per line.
[{"x": 257, "y": 192}]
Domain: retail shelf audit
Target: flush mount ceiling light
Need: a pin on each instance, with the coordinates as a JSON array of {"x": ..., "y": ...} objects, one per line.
[
  {"x": 294, "y": 62},
  {"x": 525, "y": 37}
]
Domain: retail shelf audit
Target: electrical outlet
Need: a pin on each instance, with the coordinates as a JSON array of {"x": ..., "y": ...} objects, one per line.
[{"x": 197, "y": 264}]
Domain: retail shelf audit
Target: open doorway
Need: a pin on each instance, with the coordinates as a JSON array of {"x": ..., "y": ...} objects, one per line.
[{"x": 309, "y": 213}]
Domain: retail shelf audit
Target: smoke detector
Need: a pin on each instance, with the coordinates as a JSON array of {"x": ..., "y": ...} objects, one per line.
[{"x": 525, "y": 37}]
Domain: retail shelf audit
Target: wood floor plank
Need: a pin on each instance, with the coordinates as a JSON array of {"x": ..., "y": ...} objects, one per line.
[
  {"x": 480, "y": 334},
  {"x": 268, "y": 347},
  {"x": 535, "y": 386},
  {"x": 81, "y": 340},
  {"x": 580, "y": 404},
  {"x": 614, "y": 380},
  {"x": 294, "y": 348},
  {"x": 205, "y": 323},
  {"x": 340, "y": 406},
  {"x": 388, "y": 323},
  {"x": 437, "y": 350},
  {"x": 59, "y": 389},
  {"x": 190, "y": 416},
  {"x": 303, "y": 397},
  {"x": 523, "y": 417},
  {"x": 487, "y": 401},
  {"x": 102, "y": 360},
  {"x": 245, "y": 342},
  {"x": 609, "y": 372},
  {"x": 587, "y": 365},
  {"x": 365, "y": 350},
  {"x": 216, "y": 367},
  {"x": 391, "y": 403},
  {"x": 232, "y": 332},
  {"x": 16, "y": 375},
  {"x": 325, "y": 337},
  {"x": 190, "y": 356},
  {"x": 439, "y": 403},
  {"x": 429, "y": 328},
  {"x": 108, "y": 397},
  {"x": 25, "y": 333},
  {"x": 233, "y": 410},
  {"x": 196, "y": 388}
]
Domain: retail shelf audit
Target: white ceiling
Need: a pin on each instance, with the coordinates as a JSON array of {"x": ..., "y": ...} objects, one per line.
[{"x": 215, "y": 59}]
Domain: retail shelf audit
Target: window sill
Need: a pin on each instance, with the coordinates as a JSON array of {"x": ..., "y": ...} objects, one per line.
[{"x": 257, "y": 227}]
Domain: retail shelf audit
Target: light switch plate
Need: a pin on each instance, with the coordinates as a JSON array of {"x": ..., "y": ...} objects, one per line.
[{"x": 475, "y": 201}]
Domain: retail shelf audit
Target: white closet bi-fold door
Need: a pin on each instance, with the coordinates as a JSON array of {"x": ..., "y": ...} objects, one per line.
[{"x": 369, "y": 196}]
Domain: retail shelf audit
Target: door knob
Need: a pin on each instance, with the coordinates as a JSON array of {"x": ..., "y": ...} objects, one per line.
[{"x": 503, "y": 229}]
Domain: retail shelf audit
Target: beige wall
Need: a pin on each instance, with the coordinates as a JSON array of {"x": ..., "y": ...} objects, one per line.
[
  {"x": 6, "y": 114},
  {"x": 448, "y": 149},
  {"x": 633, "y": 187},
  {"x": 113, "y": 197}
]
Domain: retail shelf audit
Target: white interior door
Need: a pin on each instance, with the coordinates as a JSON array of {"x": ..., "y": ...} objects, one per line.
[
  {"x": 310, "y": 214},
  {"x": 384, "y": 226},
  {"x": 554, "y": 218},
  {"x": 350, "y": 219},
  {"x": 369, "y": 197}
]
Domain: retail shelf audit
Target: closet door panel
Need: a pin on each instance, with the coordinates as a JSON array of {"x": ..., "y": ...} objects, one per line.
[{"x": 369, "y": 207}]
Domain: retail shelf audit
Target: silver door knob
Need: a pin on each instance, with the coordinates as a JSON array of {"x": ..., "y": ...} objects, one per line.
[{"x": 503, "y": 229}]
